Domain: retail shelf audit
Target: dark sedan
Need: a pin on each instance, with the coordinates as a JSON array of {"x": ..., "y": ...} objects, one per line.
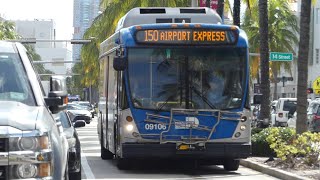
[{"x": 74, "y": 153}]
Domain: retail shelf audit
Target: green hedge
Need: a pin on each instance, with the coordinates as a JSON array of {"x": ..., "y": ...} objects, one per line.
[{"x": 260, "y": 146}]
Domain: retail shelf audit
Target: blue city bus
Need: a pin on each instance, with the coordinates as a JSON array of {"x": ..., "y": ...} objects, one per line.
[{"x": 175, "y": 82}]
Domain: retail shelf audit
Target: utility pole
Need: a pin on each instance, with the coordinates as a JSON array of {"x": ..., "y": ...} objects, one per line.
[{"x": 194, "y": 3}]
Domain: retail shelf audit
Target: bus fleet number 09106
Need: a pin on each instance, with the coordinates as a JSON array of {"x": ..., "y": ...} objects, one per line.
[{"x": 150, "y": 126}]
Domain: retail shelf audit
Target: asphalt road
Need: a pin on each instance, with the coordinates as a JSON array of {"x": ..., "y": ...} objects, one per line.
[{"x": 93, "y": 167}]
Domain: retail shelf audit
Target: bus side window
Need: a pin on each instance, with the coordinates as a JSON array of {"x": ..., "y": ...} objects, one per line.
[{"x": 123, "y": 95}]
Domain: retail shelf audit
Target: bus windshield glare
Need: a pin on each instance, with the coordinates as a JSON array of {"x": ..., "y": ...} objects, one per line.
[{"x": 190, "y": 78}]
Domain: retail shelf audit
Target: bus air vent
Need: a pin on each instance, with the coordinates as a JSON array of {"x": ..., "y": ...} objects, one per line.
[
  {"x": 152, "y": 11},
  {"x": 167, "y": 20},
  {"x": 180, "y": 20},
  {"x": 193, "y": 11}
]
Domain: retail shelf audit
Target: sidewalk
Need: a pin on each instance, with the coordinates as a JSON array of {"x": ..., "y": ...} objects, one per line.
[{"x": 257, "y": 163}]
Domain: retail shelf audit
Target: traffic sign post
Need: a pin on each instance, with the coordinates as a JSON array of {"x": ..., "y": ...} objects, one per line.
[{"x": 279, "y": 56}]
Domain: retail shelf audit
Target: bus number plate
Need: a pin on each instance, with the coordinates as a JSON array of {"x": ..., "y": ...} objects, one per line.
[{"x": 150, "y": 126}]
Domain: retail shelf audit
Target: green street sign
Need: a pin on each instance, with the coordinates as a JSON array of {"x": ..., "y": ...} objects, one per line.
[{"x": 279, "y": 56}]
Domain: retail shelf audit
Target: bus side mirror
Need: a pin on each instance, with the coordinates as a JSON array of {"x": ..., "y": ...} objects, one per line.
[
  {"x": 119, "y": 63},
  {"x": 257, "y": 98}
]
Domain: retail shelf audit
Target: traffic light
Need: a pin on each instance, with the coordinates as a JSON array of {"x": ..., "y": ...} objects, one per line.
[{"x": 309, "y": 90}]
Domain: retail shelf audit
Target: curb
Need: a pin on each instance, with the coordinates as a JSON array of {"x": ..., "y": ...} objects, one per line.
[{"x": 278, "y": 173}]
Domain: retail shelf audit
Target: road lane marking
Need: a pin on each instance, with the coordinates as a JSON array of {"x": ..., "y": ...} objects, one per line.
[{"x": 86, "y": 167}]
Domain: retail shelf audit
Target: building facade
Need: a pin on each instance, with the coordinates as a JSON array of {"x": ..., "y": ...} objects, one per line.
[
  {"x": 84, "y": 12},
  {"x": 314, "y": 46}
]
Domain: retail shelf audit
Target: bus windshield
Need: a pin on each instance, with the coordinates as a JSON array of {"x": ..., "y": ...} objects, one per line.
[{"x": 190, "y": 78}]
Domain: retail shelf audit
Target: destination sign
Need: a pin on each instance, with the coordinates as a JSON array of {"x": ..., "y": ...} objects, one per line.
[{"x": 185, "y": 36}]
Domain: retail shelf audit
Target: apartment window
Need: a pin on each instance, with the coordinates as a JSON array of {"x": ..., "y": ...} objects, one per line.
[{"x": 317, "y": 56}]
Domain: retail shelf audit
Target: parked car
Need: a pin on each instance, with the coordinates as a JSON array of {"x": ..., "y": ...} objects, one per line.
[
  {"x": 313, "y": 114},
  {"x": 31, "y": 142},
  {"x": 78, "y": 112},
  {"x": 293, "y": 119},
  {"x": 284, "y": 108},
  {"x": 74, "y": 151}
]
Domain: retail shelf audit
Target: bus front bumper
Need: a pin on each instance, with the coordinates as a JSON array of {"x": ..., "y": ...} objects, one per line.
[{"x": 211, "y": 150}]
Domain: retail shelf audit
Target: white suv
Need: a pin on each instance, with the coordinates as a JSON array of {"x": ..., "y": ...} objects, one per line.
[{"x": 284, "y": 108}]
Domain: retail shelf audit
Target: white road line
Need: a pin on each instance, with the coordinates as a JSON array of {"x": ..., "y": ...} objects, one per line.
[{"x": 86, "y": 167}]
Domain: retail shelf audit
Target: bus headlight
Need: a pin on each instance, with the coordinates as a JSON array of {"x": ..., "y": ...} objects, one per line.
[
  {"x": 129, "y": 127},
  {"x": 243, "y": 127}
]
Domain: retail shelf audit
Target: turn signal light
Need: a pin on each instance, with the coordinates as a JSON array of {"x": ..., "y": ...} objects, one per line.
[
  {"x": 129, "y": 118},
  {"x": 44, "y": 170}
]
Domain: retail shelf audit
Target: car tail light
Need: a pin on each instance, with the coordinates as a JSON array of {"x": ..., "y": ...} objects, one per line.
[
  {"x": 280, "y": 115},
  {"x": 316, "y": 117}
]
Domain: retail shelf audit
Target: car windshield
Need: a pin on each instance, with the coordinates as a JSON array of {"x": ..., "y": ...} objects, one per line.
[
  {"x": 85, "y": 104},
  {"x": 76, "y": 107},
  {"x": 203, "y": 78},
  {"x": 14, "y": 84}
]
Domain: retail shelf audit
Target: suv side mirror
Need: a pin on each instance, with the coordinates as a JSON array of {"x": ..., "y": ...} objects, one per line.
[
  {"x": 119, "y": 63},
  {"x": 79, "y": 123},
  {"x": 58, "y": 96}
]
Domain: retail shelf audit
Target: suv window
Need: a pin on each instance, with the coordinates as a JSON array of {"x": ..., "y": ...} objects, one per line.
[
  {"x": 64, "y": 120},
  {"x": 289, "y": 105},
  {"x": 14, "y": 83}
]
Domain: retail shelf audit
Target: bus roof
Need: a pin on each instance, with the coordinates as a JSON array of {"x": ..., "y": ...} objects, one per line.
[{"x": 152, "y": 15}]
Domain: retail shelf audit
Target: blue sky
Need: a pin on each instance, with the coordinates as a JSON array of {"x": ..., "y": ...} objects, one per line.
[{"x": 61, "y": 11}]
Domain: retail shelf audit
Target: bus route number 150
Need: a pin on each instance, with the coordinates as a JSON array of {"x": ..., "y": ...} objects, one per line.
[{"x": 150, "y": 126}]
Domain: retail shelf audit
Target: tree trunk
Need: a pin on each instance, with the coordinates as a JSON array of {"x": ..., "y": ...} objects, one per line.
[
  {"x": 301, "y": 125},
  {"x": 236, "y": 12},
  {"x": 220, "y": 8},
  {"x": 264, "y": 59},
  {"x": 208, "y": 3},
  {"x": 275, "y": 91}
]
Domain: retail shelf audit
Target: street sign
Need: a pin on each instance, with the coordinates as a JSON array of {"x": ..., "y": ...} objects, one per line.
[
  {"x": 316, "y": 86},
  {"x": 256, "y": 88},
  {"x": 279, "y": 56}
]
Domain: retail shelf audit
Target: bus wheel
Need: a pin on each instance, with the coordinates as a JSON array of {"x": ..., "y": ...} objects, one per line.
[
  {"x": 231, "y": 164},
  {"x": 123, "y": 164},
  {"x": 105, "y": 153}
]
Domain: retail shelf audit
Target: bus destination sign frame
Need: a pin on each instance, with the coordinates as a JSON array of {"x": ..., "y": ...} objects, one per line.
[{"x": 186, "y": 36}]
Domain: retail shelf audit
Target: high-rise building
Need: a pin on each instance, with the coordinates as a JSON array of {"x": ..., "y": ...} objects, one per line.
[{"x": 84, "y": 12}]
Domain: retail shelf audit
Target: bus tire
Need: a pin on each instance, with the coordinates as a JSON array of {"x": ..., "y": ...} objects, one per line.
[
  {"x": 123, "y": 164},
  {"x": 105, "y": 153},
  {"x": 231, "y": 164}
]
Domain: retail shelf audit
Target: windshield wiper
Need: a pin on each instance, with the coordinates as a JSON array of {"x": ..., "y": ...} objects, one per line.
[{"x": 203, "y": 98}]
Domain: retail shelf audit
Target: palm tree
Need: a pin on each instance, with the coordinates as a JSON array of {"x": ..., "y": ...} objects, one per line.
[
  {"x": 303, "y": 66},
  {"x": 7, "y": 30},
  {"x": 264, "y": 59},
  {"x": 283, "y": 29},
  {"x": 236, "y": 12}
]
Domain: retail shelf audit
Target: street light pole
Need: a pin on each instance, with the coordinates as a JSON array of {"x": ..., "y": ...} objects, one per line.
[
  {"x": 194, "y": 3},
  {"x": 33, "y": 41}
]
